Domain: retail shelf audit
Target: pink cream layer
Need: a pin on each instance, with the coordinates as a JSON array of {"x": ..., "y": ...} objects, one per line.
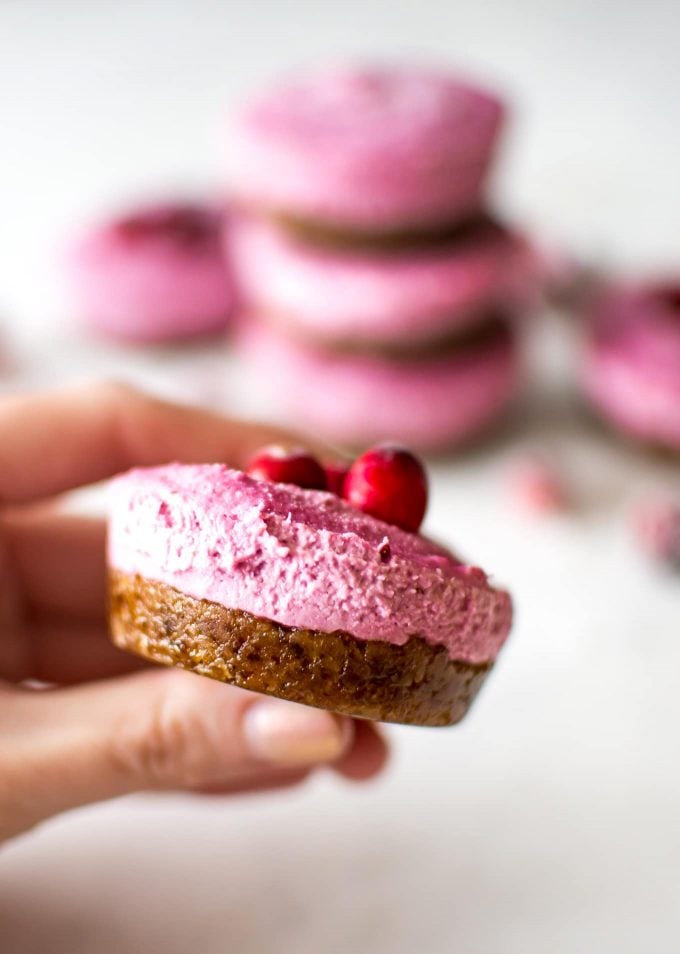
[
  {"x": 301, "y": 558},
  {"x": 366, "y": 148}
]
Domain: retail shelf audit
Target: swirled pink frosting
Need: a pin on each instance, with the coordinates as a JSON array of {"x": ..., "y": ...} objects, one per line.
[{"x": 301, "y": 558}]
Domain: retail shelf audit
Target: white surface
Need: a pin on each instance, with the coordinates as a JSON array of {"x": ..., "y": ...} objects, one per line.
[{"x": 549, "y": 821}]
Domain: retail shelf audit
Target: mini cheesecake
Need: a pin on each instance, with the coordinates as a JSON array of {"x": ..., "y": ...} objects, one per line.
[
  {"x": 365, "y": 156},
  {"x": 154, "y": 274},
  {"x": 631, "y": 363},
  {"x": 297, "y": 594}
]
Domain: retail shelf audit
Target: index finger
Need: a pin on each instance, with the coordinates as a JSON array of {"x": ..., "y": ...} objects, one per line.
[{"x": 54, "y": 442}]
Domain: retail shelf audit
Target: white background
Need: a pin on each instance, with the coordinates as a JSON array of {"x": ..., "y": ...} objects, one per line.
[{"x": 551, "y": 819}]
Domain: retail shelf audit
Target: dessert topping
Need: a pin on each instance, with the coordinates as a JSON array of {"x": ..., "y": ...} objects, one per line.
[
  {"x": 389, "y": 483},
  {"x": 288, "y": 465},
  {"x": 335, "y": 477}
]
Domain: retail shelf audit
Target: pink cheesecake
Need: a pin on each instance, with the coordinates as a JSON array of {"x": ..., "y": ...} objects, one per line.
[
  {"x": 631, "y": 367},
  {"x": 366, "y": 150},
  {"x": 296, "y": 593},
  {"x": 354, "y": 297},
  {"x": 154, "y": 274},
  {"x": 429, "y": 399}
]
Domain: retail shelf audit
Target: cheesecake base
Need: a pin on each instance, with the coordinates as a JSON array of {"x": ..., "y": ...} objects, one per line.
[{"x": 416, "y": 683}]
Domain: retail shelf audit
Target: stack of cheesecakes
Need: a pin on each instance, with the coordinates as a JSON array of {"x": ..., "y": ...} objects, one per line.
[{"x": 380, "y": 297}]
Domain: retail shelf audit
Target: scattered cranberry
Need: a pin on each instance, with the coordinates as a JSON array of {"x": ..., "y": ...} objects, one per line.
[
  {"x": 656, "y": 526},
  {"x": 284, "y": 465},
  {"x": 336, "y": 475},
  {"x": 389, "y": 483},
  {"x": 538, "y": 487}
]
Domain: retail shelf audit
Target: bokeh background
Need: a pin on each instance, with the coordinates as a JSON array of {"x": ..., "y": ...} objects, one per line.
[{"x": 549, "y": 820}]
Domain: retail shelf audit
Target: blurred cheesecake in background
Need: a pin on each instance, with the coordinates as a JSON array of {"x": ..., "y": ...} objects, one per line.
[{"x": 152, "y": 274}]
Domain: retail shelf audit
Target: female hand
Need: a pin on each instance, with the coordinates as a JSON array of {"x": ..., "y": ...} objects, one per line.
[{"x": 107, "y": 727}]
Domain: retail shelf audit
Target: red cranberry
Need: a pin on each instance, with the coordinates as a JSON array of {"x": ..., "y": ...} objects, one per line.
[
  {"x": 336, "y": 474},
  {"x": 182, "y": 224},
  {"x": 284, "y": 465},
  {"x": 389, "y": 483}
]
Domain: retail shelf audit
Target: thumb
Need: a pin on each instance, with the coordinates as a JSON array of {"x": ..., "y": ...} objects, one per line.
[{"x": 152, "y": 730}]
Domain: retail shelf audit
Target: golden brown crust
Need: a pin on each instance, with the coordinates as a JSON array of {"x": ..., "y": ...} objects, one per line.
[
  {"x": 324, "y": 234},
  {"x": 414, "y": 683},
  {"x": 489, "y": 328}
]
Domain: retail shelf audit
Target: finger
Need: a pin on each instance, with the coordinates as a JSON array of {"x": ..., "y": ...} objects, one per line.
[
  {"x": 151, "y": 730},
  {"x": 58, "y": 561},
  {"x": 367, "y": 757},
  {"x": 265, "y": 781},
  {"x": 66, "y": 652},
  {"x": 58, "y": 565},
  {"x": 50, "y": 443}
]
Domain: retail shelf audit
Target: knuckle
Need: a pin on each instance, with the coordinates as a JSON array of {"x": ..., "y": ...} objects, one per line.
[
  {"x": 20, "y": 775},
  {"x": 173, "y": 746},
  {"x": 119, "y": 402},
  {"x": 116, "y": 393}
]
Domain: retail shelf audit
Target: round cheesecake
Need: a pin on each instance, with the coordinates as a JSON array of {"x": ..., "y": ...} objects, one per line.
[
  {"x": 295, "y": 593},
  {"x": 154, "y": 274},
  {"x": 379, "y": 299},
  {"x": 352, "y": 154},
  {"x": 631, "y": 366}
]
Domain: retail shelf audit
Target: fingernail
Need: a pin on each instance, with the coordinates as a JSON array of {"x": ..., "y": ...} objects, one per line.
[{"x": 285, "y": 733}]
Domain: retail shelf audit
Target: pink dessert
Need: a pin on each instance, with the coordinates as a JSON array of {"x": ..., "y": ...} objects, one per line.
[
  {"x": 339, "y": 295},
  {"x": 375, "y": 150},
  {"x": 429, "y": 402},
  {"x": 155, "y": 274},
  {"x": 631, "y": 369},
  {"x": 302, "y": 558}
]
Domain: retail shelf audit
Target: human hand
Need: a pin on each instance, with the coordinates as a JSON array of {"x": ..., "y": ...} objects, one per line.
[{"x": 106, "y": 729}]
